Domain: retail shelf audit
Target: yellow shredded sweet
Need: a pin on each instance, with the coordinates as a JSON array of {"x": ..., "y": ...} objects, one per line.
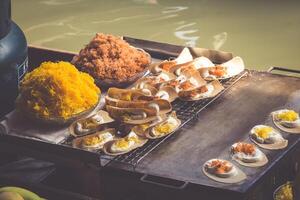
[
  {"x": 58, "y": 89},
  {"x": 289, "y": 116},
  {"x": 165, "y": 128},
  {"x": 263, "y": 132},
  {"x": 285, "y": 192},
  {"x": 90, "y": 141},
  {"x": 124, "y": 142}
]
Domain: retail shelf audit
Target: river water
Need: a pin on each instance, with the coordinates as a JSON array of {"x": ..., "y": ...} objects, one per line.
[{"x": 263, "y": 33}]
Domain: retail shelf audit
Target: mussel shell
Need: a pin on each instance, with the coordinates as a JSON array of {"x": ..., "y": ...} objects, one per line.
[
  {"x": 150, "y": 134},
  {"x": 132, "y": 94},
  {"x": 118, "y": 114},
  {"x": 77, "y": 142},
  {"x": 107, "y": 147},
  {"x": 186, "y": 94},
  {"x": 106, "y": 120}
]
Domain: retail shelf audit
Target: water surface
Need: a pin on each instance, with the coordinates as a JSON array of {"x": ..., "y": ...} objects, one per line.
[{"x": 264, "y": 33}]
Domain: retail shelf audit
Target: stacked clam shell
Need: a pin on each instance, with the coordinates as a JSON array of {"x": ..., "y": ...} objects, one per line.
[
  {"x": 150, "y": 117},
  {"x": 187, "y": 78}
]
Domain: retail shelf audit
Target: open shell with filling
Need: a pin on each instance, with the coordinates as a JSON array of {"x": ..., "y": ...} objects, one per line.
[
  {"x": 188, "y": 79},
  {"x": 196, "y": 64},
  {"x": 94, "y": 141},
  {"x": 247, "y": 154},
  {"x": 184, "y": 57},
  {"x": 287, "y": 120},
  {"x": 154, "y": 81},
  {"x": 124, "y": 145},
  {"x": 90, "y": 124},
  {"x": 206, "y": 91},
  {"x": 166, "y": 127},
  {"x": 223, "y": 71},
  {"x": 223, "y": 171},
  {"x": 267, "y": 137},
  {"x": 141, "y": 129}
]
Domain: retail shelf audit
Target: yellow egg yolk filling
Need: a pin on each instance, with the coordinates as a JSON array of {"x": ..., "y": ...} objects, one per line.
[
  {"x": 165, "y": 128},
  {"x": 263, "y": 132},
  {"x": 124, "y": 142},
  {"x": 90, "y": 141},
  {"x": 289, "y": 116}
]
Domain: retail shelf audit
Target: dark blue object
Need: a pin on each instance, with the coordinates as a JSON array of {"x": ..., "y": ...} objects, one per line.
[{"x": 13, "y": 58}]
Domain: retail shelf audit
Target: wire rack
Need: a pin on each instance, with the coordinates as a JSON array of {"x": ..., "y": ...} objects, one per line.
[{"x": 185, "y": 111}]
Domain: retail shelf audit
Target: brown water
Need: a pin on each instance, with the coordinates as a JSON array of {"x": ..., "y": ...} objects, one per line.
[{"x": 264, "y": 33}]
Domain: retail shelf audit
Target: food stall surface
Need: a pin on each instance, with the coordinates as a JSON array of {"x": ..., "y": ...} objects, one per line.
[{"x": 176, "y": 164}]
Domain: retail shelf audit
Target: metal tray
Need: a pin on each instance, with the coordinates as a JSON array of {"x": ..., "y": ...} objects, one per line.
[{"x": 177, "y": 162}]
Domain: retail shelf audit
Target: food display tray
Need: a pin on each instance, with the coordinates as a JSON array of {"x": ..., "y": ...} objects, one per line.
[
  {"x": 185, "y": 111},
  {"x": 209, "y": 128}
]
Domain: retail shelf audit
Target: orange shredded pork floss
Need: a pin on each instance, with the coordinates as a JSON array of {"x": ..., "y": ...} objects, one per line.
[
  {"x": 110, "y": 57},
  {"x": 58, "y": 89}
]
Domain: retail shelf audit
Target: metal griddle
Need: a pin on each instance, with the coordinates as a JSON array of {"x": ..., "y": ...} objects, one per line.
[
  {"x": 174, "y": 164},
  {"x": 177, "y": 163}
]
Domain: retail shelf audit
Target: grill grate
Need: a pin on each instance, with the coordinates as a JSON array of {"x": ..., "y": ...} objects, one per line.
[{"x": 186, "y": 111}]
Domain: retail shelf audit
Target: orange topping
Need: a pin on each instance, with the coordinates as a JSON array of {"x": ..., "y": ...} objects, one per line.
[
  {"x": 220, "y": 166},
  {"x": 199, "y": 90},
  {"x": 246, "y": 148},
  {"x": 186, "y": 85},
  {"x": 173, "y": 83},
  {"x": 218, "y": 71}
]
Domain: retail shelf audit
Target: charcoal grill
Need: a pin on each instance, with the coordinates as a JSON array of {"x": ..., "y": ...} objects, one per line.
[{"x": 171, "y": 167}]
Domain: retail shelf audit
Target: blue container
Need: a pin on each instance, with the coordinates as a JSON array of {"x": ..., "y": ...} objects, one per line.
[{"x": 13, "y": 58}]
